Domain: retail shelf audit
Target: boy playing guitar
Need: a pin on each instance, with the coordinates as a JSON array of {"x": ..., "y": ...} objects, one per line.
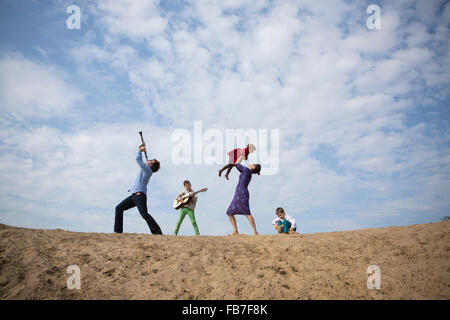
[{"x": 187, "y": 201}]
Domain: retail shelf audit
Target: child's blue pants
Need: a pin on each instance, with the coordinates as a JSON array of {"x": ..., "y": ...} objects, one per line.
[{"x": 286, "y": 225}]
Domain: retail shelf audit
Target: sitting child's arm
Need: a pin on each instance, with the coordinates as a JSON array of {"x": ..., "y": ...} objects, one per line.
[
  {"x": 275, "y": 223},
  {"x": 292, "y": 221}
]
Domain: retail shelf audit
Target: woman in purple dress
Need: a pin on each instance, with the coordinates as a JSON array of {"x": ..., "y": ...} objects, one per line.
[{"x": 240, "y": 203}]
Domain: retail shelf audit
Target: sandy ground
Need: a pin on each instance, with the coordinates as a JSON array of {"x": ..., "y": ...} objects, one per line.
[{"x": 414, "y": 263}]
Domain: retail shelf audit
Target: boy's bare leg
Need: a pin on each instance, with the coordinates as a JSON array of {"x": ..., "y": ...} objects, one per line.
[
  {"x": 227, "y": 166},
  {"x": 233, "y": 223},
  {"x": 221, "y": 170},
  {"x": 252, "y": 223},
  {"x": 230, "y": 166}
]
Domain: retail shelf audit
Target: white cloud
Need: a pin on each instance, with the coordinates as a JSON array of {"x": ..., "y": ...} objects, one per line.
[
  {"x": 134, "y": 19},
  {"x": 29, "y": 89}
]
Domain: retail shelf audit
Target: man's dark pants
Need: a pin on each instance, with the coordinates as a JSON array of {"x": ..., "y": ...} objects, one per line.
[{"x": 138, "y": 200}]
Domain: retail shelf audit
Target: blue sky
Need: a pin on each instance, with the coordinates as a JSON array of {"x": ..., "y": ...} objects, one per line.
[{"x": 363, "y": 114}]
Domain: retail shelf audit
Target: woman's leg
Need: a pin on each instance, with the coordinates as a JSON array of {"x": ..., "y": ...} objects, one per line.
[
  {"x": 252, "y": 223},
  {"x": 180, "y": 220},
  {"x": 194, "y": 223},
  {"x": 233, "y": 223}
]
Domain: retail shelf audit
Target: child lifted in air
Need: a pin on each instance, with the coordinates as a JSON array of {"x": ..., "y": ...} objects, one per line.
[
  {"x": 284, "y": 223},
  {"x": 236, "y": 156}
]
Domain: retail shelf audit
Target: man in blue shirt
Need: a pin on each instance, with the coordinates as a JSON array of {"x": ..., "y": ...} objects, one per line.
[{"x": 138, "y": 196}]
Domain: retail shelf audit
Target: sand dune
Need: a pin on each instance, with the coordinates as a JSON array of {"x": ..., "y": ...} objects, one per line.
[{"x": 414, "y": 263}]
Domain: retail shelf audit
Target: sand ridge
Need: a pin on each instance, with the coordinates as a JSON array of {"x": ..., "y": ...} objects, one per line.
[{"x": 414, "y": 263}]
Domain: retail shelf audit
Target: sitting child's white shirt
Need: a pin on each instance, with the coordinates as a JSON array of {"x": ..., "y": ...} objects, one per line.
[{"x": 288, "y": 218}]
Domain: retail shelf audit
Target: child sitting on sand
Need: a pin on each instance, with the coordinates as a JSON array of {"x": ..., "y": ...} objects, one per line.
[{"x": 284, "y": 223}]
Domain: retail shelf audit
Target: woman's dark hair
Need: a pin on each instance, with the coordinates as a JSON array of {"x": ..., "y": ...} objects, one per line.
[
  {"x": 185, "y": 182},
  {"x": 155, "y": 165},
  {"x": 257, "y": 169}
]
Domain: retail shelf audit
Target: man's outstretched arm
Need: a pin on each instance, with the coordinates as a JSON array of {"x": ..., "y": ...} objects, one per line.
[{"x": 139, "y": 159}]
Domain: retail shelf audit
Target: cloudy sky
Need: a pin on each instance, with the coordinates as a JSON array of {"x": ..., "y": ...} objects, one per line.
[{"x": 363, "y": 115}]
